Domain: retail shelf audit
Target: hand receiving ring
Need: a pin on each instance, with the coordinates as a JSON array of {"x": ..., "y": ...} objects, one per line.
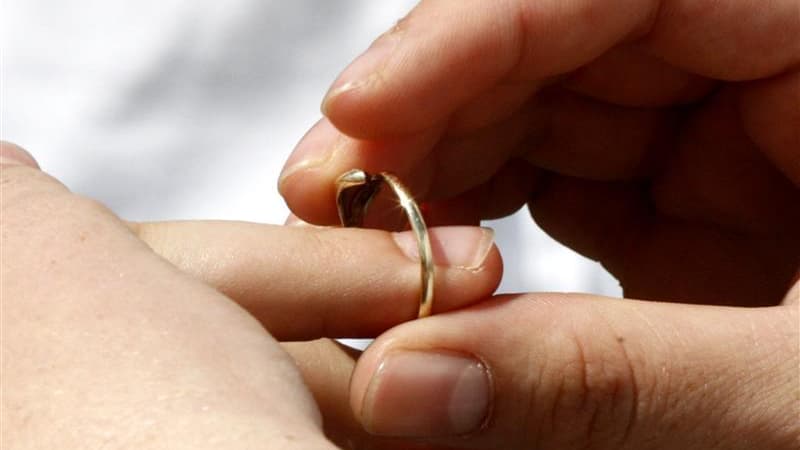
[{"x": 355, "y": 190}]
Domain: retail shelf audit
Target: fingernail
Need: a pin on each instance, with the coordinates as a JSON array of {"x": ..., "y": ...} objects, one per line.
[
  {"x": 314, "y": 150},
  {"x": 460, "y": 247},
  {"x": 12, "y": 154},
  {"x": 363, "y": 71},
  {"x": 426, "y": 394}
]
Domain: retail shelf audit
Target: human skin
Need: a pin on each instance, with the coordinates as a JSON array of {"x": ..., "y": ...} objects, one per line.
[
  {"x": 106, "y": 343},
  {"x": 658, "y": 138}
]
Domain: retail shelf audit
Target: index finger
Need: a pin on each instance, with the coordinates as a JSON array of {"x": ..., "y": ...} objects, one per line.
[
  {"x": 306, "y": 282},
  {"x": 447, "y": 52}
]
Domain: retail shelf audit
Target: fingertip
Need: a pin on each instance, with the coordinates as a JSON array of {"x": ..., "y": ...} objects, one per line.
[
  {"x": 460, "y": 247},
  {"x": 13, "y": 154},
  {"x": 366, "y": 367},
  {"x": 363, "y": 76},
  {"x": 493, "y": 271},
  {"x": 311, "y": 200},
  {"x": 311, "y": 197},
  {"x": 378, "y": 109},
  {"x": 468, "y": 263},
  {"x": 423, "y": 71},
  {"x": 307, "y": 179},
  {"x": 356, "y": 102},
  {"x": 313, "y": 151}
]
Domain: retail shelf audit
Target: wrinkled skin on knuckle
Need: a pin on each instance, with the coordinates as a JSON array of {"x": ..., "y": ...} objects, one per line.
[
  {"x": 591, "y": 392},
  {"x": 22, "y": 184},
  {"x": 59, "y": 215},
  {"x": 31, "y": 192},
  {"x": 43, "y": 222}
]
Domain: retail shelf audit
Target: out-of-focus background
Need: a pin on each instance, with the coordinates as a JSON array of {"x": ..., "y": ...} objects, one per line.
[{"x": 184, "y": 109}]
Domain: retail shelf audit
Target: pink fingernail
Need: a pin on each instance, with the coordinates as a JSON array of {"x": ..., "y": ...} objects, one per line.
[
  {"x": 461, "y": 247},
  {"x": 426, "y": 394}
]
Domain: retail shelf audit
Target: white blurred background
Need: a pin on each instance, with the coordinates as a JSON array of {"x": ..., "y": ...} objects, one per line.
[{"x": 184, "y": 109}]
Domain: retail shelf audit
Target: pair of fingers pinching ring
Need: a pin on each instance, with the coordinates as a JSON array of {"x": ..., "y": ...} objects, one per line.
[{"x": 354, "y": 191}]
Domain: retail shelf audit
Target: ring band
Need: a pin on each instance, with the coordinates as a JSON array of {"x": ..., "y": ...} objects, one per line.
[{"x": 355, "y": 190}]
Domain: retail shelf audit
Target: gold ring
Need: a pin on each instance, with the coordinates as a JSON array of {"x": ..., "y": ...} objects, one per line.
[{"x": 355, "y": 190}]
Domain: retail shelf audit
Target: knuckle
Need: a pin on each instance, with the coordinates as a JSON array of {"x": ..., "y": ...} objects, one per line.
[
  {"x": 35, "y": 202},
  {"x": 29, "y": 197},
  {"x": 26, "y": 188},
  {"x": 21, "y": 181},
  {"x": 594, "y": 396}
]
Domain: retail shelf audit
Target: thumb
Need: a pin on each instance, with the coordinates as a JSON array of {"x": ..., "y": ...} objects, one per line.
[{"x": 573, "y": 371}]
